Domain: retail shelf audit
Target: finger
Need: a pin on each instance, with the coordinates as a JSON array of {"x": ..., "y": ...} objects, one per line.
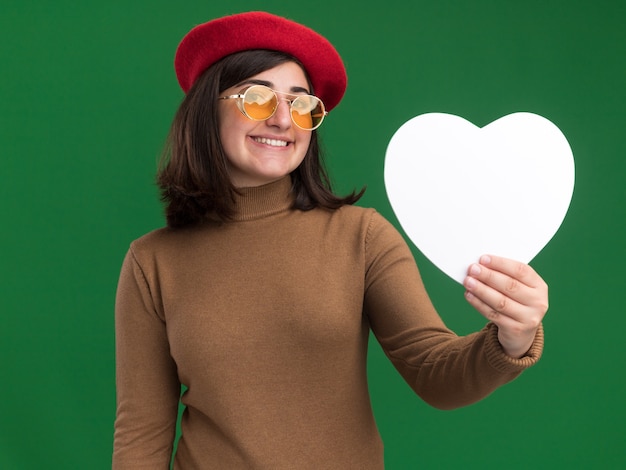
[
  {"x": 514, "y": 269},
  {"x": 492, "y": 301},
  {"x": 513, "y": 279},
  {"x": 501, "y": 286},
  {"x": 508, "y": 318}
]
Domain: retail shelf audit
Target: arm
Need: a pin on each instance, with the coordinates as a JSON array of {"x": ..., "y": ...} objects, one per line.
[
  {"x": 147, "y": 386},
  {"x": 445, "y": 370}
]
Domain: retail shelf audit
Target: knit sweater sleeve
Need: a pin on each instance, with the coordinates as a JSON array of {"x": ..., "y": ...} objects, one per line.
[
  {"x": 147, "y": 386},
  {"x": 445, "y": 370}
]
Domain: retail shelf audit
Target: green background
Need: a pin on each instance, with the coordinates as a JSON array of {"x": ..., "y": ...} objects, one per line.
[{"x": 87, "y": 95}]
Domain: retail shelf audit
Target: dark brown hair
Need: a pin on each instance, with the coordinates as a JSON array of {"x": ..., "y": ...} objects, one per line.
[{"x": 193, "y": 174}]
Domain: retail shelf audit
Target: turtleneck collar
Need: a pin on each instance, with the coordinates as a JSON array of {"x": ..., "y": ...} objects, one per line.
[{"x": 262, "y": 201}]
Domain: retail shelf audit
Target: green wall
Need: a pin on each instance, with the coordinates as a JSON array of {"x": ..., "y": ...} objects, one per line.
[{"x": 87, "y": 95}]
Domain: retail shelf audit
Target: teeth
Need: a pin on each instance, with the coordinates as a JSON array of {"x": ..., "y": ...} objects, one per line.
[{"x": 272, "y": 142}]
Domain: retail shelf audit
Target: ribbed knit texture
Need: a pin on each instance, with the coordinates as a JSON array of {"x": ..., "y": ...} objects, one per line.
[{"x": 266, "y": 320}]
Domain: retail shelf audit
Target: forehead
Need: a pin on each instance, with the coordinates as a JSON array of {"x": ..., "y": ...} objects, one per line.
[{"x": 288, "y": 76}]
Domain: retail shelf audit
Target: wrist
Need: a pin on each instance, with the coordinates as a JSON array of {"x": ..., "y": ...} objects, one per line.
[{"x": 516, "y": 347}]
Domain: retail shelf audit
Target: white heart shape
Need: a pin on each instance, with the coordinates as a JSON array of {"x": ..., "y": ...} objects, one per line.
[{"x": 460, "y": 191}]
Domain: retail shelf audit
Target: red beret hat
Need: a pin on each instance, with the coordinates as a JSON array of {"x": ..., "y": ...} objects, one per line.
[{"x": 209, "y": 42}]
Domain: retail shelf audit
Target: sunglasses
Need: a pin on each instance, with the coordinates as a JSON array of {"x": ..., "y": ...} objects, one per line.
[{"x": 259, "y": 103}]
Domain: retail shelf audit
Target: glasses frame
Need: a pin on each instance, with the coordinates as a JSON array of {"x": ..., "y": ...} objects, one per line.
[{"x": 242, "y": 95}]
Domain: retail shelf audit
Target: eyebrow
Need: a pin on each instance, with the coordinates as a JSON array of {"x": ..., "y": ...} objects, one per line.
[{"x": 254, "y": 81}]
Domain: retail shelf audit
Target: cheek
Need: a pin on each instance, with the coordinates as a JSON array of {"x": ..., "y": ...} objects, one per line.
[
  {"x": 229, "y": 119},
  {"x": 227, "y": 141},
  {"x": 230, "y": 131},
  {"x": 305, "y": 143}
]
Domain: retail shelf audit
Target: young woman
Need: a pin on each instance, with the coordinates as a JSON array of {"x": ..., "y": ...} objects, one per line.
[{"x": 260, "y": 294}]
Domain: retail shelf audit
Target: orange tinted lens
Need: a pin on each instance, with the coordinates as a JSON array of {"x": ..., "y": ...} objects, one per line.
[
  {"x": 259, "y": 102},
  {"x": 307, "y": 111}
]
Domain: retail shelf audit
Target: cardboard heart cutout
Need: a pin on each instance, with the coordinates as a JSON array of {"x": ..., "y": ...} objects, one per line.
[{"x": 460, "y": 191}]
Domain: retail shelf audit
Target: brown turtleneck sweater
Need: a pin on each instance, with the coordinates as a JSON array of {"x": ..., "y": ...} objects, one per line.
[{"x": 266, "y": 320}]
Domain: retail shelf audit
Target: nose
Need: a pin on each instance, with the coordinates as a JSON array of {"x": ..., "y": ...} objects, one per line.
[{"x": 282, "y": 117}]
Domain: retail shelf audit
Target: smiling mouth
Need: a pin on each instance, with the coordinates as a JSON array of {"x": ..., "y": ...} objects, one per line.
[{"x": 272, "y": 142}]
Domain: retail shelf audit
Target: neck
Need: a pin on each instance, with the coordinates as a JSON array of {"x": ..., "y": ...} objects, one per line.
[{"x": 262, "y": 201}]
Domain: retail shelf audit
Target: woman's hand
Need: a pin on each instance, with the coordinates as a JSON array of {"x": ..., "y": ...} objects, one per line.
[{"x": 511, "y": 295}]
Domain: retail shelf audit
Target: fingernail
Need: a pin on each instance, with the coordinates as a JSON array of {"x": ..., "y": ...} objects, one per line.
[
  {"x": 470, "y": 282},
  {"x": 474, "y": 269},
  {"x": 485, "y": 259}
]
